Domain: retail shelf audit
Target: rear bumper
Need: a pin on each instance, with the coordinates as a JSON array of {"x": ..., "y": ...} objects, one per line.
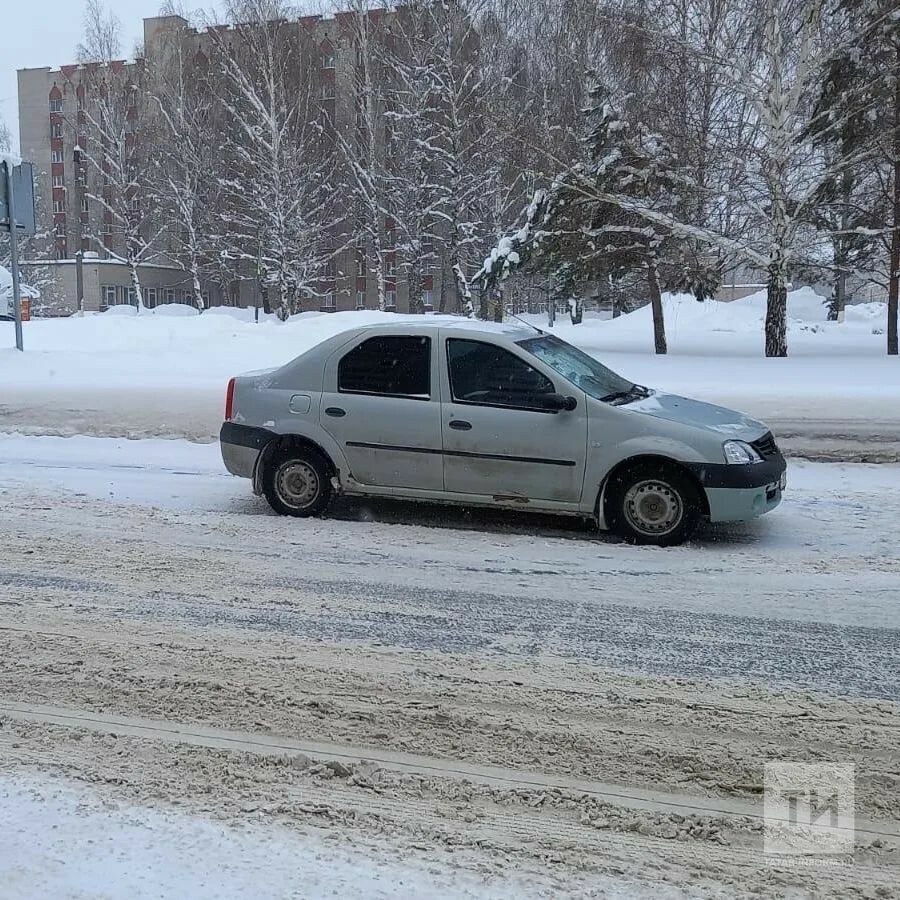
[{"x": 241, "y": 446}]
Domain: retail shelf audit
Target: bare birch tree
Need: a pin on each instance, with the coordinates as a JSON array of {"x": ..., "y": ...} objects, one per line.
[
  {"x": 361, "y": 145},
  {"x": 116, "y": 144},
  {"x": 182, "y": 178},
  {"x": 276, "y": 193}
]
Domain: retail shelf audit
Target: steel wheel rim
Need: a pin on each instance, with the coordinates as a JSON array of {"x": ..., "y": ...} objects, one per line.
[
  {"x": 297, "y": 484},
  {"x": 653, "y": 507}
]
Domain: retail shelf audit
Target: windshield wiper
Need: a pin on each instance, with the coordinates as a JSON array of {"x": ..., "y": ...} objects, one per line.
[{"x": 635, "y": 392}]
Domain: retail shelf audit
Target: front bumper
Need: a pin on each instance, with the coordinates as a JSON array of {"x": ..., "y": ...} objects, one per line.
[
  {"x": 741, "y": 504},
  {"x": 738, "y": 493},
  {"x": 241, "y": 446}
]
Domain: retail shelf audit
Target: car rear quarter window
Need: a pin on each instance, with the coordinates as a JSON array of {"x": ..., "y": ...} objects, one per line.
[{"x": 388, "y": 366}]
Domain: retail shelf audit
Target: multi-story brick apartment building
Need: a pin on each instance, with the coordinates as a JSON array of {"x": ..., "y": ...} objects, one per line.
[{"x": 52, "y": 126}]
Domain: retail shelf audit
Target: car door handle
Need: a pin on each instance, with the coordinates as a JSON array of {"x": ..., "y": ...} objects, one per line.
[
  {"x": 460, "y": 425},
  {"x": 336, "y": 412}
]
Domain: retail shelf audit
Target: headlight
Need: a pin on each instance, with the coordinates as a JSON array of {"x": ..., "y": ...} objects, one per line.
[{"x": 739, "y": 453}]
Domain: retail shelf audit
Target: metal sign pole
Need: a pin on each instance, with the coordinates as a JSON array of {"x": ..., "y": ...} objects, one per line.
[{"x": 14, "y": 254}]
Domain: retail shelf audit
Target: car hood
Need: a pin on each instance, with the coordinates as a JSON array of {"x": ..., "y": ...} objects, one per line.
[{"x": 708, "y": 416}]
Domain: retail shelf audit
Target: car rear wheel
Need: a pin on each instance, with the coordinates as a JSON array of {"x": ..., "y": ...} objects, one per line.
[
  {"x": 653, "y": 504},
  {"x": 296, "y": 482}
]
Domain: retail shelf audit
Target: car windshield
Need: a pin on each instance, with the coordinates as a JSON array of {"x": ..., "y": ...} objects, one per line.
[{"x": 582, "y": 370}]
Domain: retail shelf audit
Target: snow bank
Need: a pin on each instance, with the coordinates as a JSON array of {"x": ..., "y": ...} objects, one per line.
[
  {"x": 835, "y": 370},
  {"x": 174, "y": 310},
  {"x": 736, "y": 327},
  {"x": 6, "y": 285},
  {"x": 170, "y": 346}
]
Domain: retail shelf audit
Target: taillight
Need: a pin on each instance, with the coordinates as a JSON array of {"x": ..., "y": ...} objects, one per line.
[{"x": 229, "y": 400}]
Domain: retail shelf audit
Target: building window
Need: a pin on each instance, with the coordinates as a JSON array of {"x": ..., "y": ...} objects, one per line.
[
  {"x": 428, "y": 297},
  {"x": 84, "y": 205},
  {"x": 390, "y": 298},
  {"x": 326, "y": 92},
  {"x": 329, "y": 267},
  {"x": 59, "y": 206},
  {"x": 328, "y": 301},
  {"x": 169, "y": 295},
  {"x": 391, "y": 264},
  {"x": 56, "y": 130},
  {"x": 60, "y": 229},
  {"x": 108, "y": 292},
  {"x": 106, "y": 228},
  {"x": 59, "y": 181},
  {"x": 150, "y": 297},
  {"x": 56, "y": 106},
  {"x": 135, "y": 204},
  {"x": 56, "y": 156},
  {"x": 360, "y": 299},
  {"x": 360, "y": 262}
]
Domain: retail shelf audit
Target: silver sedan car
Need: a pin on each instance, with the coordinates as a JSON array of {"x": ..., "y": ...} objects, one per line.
[{"x": 491, "y": 415}]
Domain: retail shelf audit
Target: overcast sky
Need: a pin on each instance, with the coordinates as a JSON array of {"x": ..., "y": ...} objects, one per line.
[{"x": 46, "y": 32}]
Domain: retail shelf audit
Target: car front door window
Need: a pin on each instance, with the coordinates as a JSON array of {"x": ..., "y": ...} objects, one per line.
[{"x": 488, "y": 375}]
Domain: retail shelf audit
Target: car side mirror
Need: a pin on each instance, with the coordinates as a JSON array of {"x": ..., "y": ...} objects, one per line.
[{"x": 559, "y": 403}]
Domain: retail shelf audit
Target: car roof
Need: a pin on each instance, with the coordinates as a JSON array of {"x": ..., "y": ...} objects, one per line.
[{"x": 516, "y": 331}]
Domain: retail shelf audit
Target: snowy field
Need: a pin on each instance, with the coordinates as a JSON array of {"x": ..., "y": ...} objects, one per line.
[{"x": 119, "y": 374}]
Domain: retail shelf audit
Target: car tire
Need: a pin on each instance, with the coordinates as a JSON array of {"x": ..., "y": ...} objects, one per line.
[
  {"x": 653, "y": 504},
  {"x": 297, "y": 482}
]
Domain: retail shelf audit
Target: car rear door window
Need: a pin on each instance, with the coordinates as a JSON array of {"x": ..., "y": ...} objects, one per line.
[
  {"x": 491, "y": 376},
  {"x": 389, "y": 366}
]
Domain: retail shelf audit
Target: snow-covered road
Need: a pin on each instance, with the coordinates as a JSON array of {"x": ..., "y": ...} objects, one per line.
[
  {"x": 138, "y": 580},
  {"x": 64, "y": 842},
  {"x": 807, "y": 596}
]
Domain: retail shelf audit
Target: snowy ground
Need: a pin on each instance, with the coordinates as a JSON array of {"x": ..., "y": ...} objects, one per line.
[
  {"x": 61, "y": 841},
  {"x": 164, "y": 374},
  {"x": 549, "y": 705}
]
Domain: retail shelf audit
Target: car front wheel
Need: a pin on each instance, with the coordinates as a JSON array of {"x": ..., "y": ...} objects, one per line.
[
  {"x": 296, "y": 482},
  {"x": 656, "y": 505}
]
